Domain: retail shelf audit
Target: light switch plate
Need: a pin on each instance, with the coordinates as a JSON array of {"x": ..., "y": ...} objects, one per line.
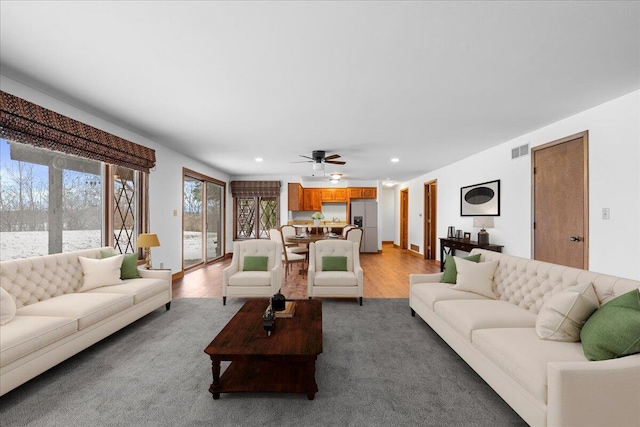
[{"x": 606, "y": 213}]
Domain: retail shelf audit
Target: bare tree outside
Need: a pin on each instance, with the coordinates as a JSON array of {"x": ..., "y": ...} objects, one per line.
[{"x": 31, "y": 179}]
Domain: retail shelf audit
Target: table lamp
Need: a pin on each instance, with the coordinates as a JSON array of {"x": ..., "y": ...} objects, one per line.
[
  {"x": 483, "y": 222},
  {"x": 147, "y": 241}
]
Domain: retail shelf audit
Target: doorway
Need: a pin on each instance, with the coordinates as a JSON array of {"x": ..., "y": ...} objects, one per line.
[
  {"x": 430, "y": 230},
  {"x": 560, "y": 202},
  {"x": 202, "y": 218},
  {"x": 404, "y": 218}
]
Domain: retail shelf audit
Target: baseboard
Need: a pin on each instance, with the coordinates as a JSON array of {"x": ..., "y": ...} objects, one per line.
[
  {"x": 414, "y": 253},
  {"x": 387, "y": 241},
  {"x": 177, "y": 276}
]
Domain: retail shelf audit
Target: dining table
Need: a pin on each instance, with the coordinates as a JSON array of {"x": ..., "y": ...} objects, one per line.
[{"x": 310, "y": 238}]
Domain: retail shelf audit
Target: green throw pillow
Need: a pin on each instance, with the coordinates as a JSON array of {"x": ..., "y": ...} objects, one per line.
[
  {"x": 129, "y": 269},
  {"x": 614, "y": 329},
  {"x": 334, "y": 263},
  {"x": 451, "y": 272},
  {"x": 255, "y": 263}
]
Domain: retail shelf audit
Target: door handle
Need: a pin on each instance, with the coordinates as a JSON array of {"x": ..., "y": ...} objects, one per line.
[{"x": 575, "y": 239}]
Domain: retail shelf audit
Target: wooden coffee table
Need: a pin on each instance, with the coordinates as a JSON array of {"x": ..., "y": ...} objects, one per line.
[{"x": 284, "y": 362}]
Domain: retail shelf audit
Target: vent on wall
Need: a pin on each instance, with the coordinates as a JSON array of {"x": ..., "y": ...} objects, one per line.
[
  {"x": 415, "y": 247},
  {"x": 520, "y": 151}
]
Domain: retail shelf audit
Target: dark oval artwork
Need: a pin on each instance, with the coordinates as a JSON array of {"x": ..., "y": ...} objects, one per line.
[{"x": 479, "y": 195}]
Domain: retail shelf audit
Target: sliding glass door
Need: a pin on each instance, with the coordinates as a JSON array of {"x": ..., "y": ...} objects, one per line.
[{"x": 203, "y": 219}]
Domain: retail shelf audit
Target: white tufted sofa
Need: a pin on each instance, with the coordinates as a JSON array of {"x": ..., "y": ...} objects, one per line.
[
  {"x": 53, "y": 321},
  {"x": 548, "y": 383}
]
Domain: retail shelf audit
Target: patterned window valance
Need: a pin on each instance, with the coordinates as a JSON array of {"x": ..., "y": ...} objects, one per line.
[
  {"x": 255, "y": 188},
  {"x": 28, "y": 123}
]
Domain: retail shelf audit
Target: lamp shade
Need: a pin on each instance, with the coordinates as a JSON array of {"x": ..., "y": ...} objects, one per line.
[
  {"x": 483, "y": 221},
  {"x": 148, "y": 240}
]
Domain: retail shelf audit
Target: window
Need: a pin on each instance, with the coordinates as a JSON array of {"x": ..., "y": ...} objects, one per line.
[
  {"x": 51, "y": 202},
  {"x": 256, "y": 208},
  {"x": 53, "y": 183}
]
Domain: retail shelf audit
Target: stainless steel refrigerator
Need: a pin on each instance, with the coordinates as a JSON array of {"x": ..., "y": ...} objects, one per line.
[{"x": 364, "y": 214}]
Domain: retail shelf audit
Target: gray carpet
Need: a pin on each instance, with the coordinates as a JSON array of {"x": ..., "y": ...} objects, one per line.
[{"x": 380, "y": 367}]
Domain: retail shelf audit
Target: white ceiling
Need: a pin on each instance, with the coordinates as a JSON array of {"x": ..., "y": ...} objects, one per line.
[{"x": 225, "y": 82}]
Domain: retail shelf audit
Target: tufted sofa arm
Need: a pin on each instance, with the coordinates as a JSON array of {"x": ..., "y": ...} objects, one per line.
[
  {"x": 425, "y": 278},
  {"x": 155, "y": 274}
]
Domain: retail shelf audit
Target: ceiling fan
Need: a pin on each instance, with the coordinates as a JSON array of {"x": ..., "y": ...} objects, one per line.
[{"x": 319, "y": 156}]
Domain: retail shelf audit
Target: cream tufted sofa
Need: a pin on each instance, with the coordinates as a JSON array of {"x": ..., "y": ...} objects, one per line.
[
  {"x": 54, "y": 321},
  {"x": 548, "y": 383}
]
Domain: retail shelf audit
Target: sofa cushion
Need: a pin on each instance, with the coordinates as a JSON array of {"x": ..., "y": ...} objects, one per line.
[
  {"x": 87, "y": 308},
  {"x": 250, "y": 278},
  {"x": 431, "y": 293},
  {"x": 465, "y": 316},
  {"x": 562, "y": 316},
  {"x": 7, "y": 307},
  {"x": 476, "y": 277},
  {"x": 335, "y": 278},
  {"x": 614, "y": 329},
  {"x": 450, "y": 271},
  {"x": 141, "y": 289},
  {"x": 26, "y": 334},
  {"x": 524, "y": 356},
  {"x": 100, "y": 272},
  {"x": 129, "y": 267}
]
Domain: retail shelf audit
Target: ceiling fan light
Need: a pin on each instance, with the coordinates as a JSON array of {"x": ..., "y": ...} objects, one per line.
[
  {"x": 336, "y": 176},
  {"x": 318, "y": 167},
  {"x": 334, "y": 181}
]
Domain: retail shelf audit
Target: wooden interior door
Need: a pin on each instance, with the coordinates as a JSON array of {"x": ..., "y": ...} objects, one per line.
[
  {"x": 404, "y": 218},
  {"x": 430, "y": 200},
  {"x": 560, "y": 202}
]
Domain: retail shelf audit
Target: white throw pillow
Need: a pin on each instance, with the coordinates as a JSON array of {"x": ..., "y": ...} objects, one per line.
[
  {"x": 7, "y": 307},
  {"x": 475, "y": 277},
  {"x": 561, "y": 318},
  {"x": 100, "y": 272}
]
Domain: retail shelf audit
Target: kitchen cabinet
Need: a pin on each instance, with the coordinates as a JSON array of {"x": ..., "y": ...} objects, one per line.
[
  {"x": 334, "y": 194},
  {"x": 312, "y": 199},
  {"x": 362, "y": 192},
  {"x": 296, "y": 200}
]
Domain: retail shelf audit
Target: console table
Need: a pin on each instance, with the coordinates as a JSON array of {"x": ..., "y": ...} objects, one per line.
[{"x": 463, "y": 245}]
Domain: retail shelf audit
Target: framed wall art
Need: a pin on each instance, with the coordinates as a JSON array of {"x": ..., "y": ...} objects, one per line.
[{"x": 480, "y": 199}]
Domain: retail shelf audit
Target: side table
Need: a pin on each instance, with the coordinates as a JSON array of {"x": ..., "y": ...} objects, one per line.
[{"x": 463, "y": 245}]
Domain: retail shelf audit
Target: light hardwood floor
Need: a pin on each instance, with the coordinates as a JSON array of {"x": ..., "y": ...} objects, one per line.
[{"x": 386, "y": 275}]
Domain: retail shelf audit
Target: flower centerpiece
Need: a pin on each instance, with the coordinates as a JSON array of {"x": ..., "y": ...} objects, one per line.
[{"x": 316, "y": 217}]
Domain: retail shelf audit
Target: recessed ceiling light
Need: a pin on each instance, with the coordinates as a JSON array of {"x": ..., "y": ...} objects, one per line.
[
  {"x": 395, "y": 160},
  {"x": 334, "y": 181},
  {"x": 336, "y": 176},
  {"x": 259, "y": 159}
]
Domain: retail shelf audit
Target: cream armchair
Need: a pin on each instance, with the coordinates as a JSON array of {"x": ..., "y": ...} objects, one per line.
[
  {"x": 334, "y": 269},
  {"x": 237, "y": 281}
]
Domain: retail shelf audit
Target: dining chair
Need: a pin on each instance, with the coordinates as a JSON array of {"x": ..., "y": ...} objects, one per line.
[
  {"x": 347, "y": 228},
  {"x": 354, "y": 234},
  {"x": 288, "y": 258},
  {"x": 290, "y": 231}
]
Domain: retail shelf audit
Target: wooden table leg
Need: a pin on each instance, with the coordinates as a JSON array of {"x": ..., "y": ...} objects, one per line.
[
  {"x": 215, "y": 385},
  {"x": 312, "y": 387}
]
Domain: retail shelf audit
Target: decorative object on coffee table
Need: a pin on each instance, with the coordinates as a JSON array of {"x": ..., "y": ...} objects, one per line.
[
  {"x": 288, "y": 311},
  {"x": 278, "y": 302}
]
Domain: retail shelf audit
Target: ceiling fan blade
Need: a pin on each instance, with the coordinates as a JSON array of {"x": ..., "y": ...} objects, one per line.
[
  {"x": 333, "y": 156},
  {"x": 335, "y": 162},
  {"x": 306, "y": 157},
  {"x": 304, "y": 161}
]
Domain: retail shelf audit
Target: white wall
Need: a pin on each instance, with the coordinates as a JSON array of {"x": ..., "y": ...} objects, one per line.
[
  {"x": 165, "y": 182},
  {"x": 614, "y": 182},
  {"x": 387, "y": 209}
]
